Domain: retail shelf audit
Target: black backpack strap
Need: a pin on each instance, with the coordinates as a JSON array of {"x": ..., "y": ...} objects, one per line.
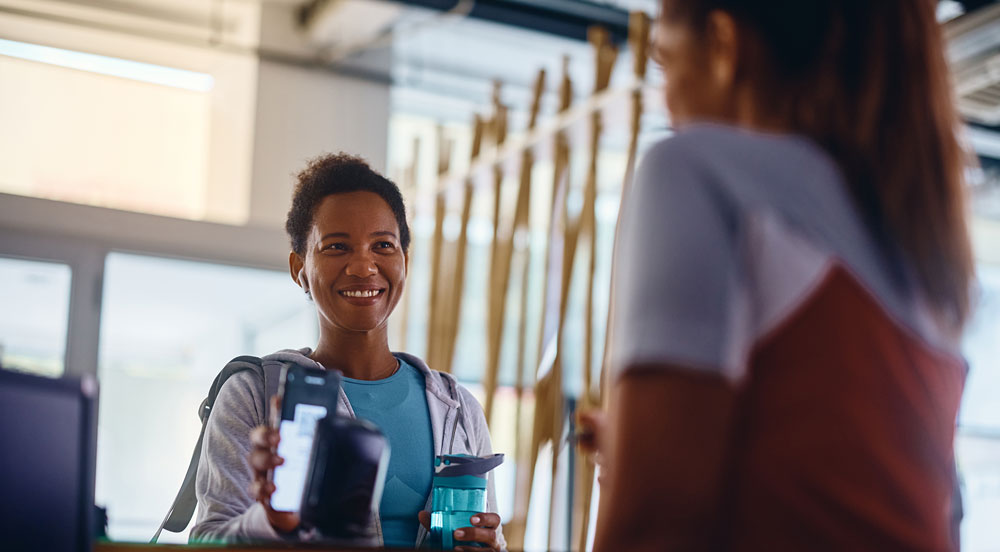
[
  {"x": 182, "y": 509},
  {"x": 272, "y": 379}
]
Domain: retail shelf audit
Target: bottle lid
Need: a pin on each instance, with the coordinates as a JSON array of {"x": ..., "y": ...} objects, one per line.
[{"x": 457, "y": 465}]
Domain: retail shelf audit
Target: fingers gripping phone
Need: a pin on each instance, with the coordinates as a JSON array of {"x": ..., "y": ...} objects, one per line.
[{"x": 307, "y": 395}]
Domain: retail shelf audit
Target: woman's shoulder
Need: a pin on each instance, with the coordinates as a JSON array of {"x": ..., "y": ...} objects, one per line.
[
  {"x": 445, "y": 382},
  {"x": 714, "y": 145},
  {"x": 720, "y": 170},
  {"x": 686, "y": 163},
  {"x": 240, "y": 401},
  {"x": 248, "y": 381},
  {"x": 241, "y": 379},
  {"x": 699, "y": 142}
]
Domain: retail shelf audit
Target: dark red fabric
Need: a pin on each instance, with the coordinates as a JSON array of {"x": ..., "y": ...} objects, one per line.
[{"x": 845, "y": 432}]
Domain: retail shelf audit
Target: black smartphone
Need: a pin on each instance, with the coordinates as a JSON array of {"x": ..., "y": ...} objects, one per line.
[{"x": 307, "y": 396}]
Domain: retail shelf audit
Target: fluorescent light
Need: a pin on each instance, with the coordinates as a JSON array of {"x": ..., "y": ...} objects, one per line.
[{"x": 134, "y": 70}]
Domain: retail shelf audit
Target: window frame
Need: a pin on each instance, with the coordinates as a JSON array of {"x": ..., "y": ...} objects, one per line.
[
  {"x": 81, "y": 236},
  {"x": 86, "y": 263}
]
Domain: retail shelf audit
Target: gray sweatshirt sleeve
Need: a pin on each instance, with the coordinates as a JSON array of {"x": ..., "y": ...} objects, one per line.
[
  {"x": 226, "y": 510},
  {"x": 484, "y": 447}
]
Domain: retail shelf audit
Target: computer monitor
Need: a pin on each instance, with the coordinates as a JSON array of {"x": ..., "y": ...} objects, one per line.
[{"x": 47, "y": 462}]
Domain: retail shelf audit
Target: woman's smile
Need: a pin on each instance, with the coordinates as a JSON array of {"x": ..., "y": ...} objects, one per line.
[{"x": 362, "y": 296}]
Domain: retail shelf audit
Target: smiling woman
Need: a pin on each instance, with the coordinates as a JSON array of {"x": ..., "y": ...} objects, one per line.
[
  {"x": 350, "y": 241},
  {"x": 353, "y": 266}
]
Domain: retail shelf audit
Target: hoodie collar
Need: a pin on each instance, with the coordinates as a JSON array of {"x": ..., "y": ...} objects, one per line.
[{"x": 436, "y": 382}]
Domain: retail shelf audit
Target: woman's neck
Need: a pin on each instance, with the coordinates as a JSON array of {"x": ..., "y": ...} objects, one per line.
[{"x": 358, "y": 355}]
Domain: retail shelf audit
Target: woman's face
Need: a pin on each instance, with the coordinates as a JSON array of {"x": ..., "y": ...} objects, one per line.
[
  {"x": 697, "y": 71},
  {"x": 354, "y": 266}
]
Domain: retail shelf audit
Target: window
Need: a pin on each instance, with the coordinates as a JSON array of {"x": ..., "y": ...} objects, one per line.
[
  {"x": 168, "y": 326},
  {"x": 104, "y": 131},
  {"x": 978, "y": 442},
  {"x": 979, "y": 406},
  {"x": 33, "y": 320}
]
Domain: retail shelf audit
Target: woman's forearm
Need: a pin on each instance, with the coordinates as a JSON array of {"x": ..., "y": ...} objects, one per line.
[{"x": 670, "y": 431}]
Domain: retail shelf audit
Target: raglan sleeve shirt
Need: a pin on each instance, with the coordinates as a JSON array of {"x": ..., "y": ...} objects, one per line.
[{"x": 678, "y": 296}]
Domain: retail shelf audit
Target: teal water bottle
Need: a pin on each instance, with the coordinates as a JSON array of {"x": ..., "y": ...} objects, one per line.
[{"x": 458, "y": 493}]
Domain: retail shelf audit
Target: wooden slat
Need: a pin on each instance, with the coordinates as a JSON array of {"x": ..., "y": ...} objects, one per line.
[
  {"x": 504, "y": 256},
  {"x": 548, "y": 389},
  {"x": 499, "y": 270},
  {"x": 435, "y": 322},
  {"x": 453, "y": 263},
  {"x": 606, "y": 55},
  {"x": 522, "y": 328},
  {"x": 639, "y": 26},
  {"x": 409, "y": 189}
]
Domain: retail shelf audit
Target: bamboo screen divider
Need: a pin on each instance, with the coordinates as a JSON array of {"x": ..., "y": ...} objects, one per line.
[{"x": 492, "y": 156}]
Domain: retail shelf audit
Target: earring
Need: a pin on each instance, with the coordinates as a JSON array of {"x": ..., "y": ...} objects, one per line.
[{"x": 302, "y": 282}]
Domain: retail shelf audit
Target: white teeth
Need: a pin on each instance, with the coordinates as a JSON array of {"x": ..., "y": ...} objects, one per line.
[{"x": 365, "y": 293}]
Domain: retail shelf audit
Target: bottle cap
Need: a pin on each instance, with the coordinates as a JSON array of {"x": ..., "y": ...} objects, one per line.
[{"x": 455, "y": 465}]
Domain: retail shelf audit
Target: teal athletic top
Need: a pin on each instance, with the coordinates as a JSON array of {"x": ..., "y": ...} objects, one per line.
[{"x": 398, "y": 406}]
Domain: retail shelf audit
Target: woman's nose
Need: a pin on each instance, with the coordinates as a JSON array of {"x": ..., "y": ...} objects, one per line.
[{"x": 361, "y": 265}]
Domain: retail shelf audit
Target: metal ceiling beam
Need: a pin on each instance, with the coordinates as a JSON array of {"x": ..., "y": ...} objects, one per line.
[
  {"x": 565, "y": 18},
  {"x": 973, "y": 5}
]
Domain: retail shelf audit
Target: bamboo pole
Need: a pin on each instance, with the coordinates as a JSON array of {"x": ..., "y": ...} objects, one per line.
[
  {"x": 498, "y": 132},
  {"x": 504, "y": 257},
  {"x": 435, "y": 321},
  {"x": 409, "y": 182},
  {"x": 548, "y": 389},
  {"x": 554, "y": 398},
  {"x": 560, "y": 180},
  {"x": 453, "y": 292},
  {"x": 527, "y": 164},
  {"x": 638, "y": 42},
  {"x": 639, "y": 27},
  {"x": 638, "y": 38},
  {"x": 605, "y": 54},
  {"x": 499, "y": 265}
]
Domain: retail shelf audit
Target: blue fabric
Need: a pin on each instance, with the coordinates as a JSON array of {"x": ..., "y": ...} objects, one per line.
[{"x": 398, "y": 406}]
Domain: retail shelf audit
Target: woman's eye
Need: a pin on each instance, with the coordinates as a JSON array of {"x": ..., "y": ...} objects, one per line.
[
  {"x": 385, "y": 245},
  {"x": 335, "y": 247}
]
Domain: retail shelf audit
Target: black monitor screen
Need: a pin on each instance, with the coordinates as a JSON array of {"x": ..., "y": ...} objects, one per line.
[{"x": 46, "y": 462}]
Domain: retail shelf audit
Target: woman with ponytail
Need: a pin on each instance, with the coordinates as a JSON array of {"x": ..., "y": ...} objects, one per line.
[{"x": 793, "y": 278}]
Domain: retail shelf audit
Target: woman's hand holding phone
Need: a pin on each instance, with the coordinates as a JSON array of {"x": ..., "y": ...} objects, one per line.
[
  {"x": 592, "y": 436},
  {"x": 263, "y": 459}
]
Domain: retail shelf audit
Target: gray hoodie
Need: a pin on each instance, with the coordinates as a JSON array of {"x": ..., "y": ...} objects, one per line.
[{"x": 226, "y": 510}]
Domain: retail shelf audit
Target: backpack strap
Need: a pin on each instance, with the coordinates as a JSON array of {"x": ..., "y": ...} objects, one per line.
[
  {"x": 182, "y": 509},
  {"x": 272, "y": 379}
]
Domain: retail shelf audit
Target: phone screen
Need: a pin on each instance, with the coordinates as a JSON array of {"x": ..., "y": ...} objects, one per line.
[{"x": 308, "y": 395}]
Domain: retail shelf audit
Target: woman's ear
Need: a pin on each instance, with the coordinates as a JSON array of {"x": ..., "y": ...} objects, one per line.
[
  {"x": 724, "y": 48},
  {"x": 297, "y": 269}
]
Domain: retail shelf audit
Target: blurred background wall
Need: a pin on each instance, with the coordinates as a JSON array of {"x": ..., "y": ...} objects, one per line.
[{"x": 147, "y": 154}]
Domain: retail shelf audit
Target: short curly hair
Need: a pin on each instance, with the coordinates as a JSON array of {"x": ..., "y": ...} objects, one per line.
[{"x": 339, "y": 173}]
